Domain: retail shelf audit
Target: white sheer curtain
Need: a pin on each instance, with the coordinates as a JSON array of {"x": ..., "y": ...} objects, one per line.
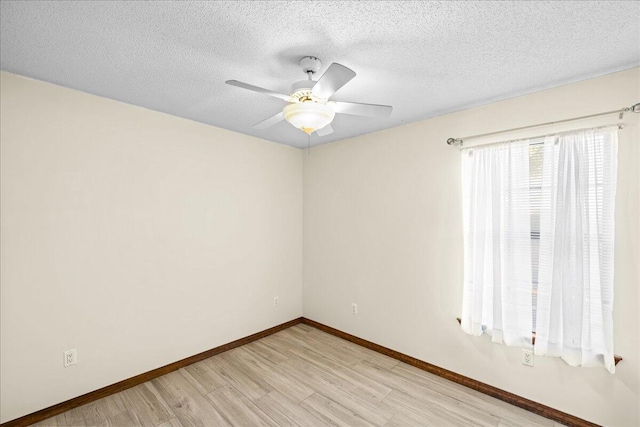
[
  {"x": 497, "y": 243},
  {"x": 575, "y": 290}
]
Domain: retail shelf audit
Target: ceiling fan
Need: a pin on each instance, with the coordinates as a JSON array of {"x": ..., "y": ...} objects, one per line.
[{"x": 310, "y": 108}]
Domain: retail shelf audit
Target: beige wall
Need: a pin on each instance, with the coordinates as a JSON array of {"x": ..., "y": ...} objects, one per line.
[
  {"x": 136, "y": 237},
  {"x": 382, "y": 228}
]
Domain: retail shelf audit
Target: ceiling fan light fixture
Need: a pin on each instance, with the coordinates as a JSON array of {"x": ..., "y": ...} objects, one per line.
[
  {"x": 309, "y": 116},
  {"x": 311, "y": 108}
]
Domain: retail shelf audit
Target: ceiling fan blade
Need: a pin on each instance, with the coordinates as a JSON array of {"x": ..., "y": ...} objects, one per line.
[
  {"x": 369, "y": 110},
  {"x": 333, "y": 79},
  {"x": 258, "y": 89},
  {"x": 270, "y": 121},
  {"x": 327, "y": 130}
]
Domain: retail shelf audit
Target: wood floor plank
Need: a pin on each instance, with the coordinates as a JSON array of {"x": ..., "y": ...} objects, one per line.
[
  {"x": 203, "y": 378},
  {"x": 49, "y": 422},
  {"x": 336, "y": 389},
  {"x": 513, "y": 420},
  {"x": 373, "y": 389},
  {"x": 190, "y": 407},
  {"x": 402, "y": 420},
  {"x": 264, "y": 350},
  {"x": 325, "y": 381},
  {"x": 237, "y": 409},
  {"x": 332, "y": 412},
  {"x": 305, "y": 328},
  {"x": 173, "y": 422},
  {"x": 362, "y": 353},
  {"x": 286, "y": 412},
  {"x": 329, "y": 350},
  {"x": 145, "y": 403},
  {"x": 232, "y": 371},
  {"x": 509, "y": 423},
  {"x": 297, "y": 331},
  {"x": 96, "y": 413},
  {"x": 74, "y": 417},
  {"x": 436, "y": 402},
  {"x": 274, "y": 376},
  {"x": 284, "y": 342},
  {"x": 426, "y": 413},
  {"x": 122, "y": 419}
]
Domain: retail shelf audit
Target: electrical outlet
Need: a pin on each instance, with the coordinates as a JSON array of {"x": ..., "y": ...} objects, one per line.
[
  {"x": 70, "y": 357},
  {"x": 354, "y": 308},
  {"x": 527, "y": 357},
  {"x": 275, "y": 301}
]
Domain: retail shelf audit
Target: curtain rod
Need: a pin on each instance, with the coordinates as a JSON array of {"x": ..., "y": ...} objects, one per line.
[
  {"x": 537, "y": 138},
  {"x": 634, "y": 108}
]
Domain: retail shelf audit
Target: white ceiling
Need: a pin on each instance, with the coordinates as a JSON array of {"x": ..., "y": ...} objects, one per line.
[{"x": 423, "y": 58}]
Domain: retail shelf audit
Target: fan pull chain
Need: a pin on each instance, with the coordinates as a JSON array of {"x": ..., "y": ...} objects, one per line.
[{"x": 308, "y": 145}]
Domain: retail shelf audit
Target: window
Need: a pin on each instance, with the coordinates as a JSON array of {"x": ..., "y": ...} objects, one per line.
[{"x": 538, "y": 228}]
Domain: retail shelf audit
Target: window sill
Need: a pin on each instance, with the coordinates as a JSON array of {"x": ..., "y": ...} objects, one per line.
[{"x": 617, "y": 359}]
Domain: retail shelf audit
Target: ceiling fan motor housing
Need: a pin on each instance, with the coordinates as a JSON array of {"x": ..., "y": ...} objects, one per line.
[{"x": 301, "y": 88}]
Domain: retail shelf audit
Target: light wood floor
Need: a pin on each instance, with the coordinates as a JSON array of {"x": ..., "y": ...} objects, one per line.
[{"x": 299, "y": 376}]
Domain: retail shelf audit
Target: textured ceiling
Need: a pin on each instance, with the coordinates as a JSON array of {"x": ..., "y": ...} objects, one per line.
[{"x": 423, "y": 58}]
